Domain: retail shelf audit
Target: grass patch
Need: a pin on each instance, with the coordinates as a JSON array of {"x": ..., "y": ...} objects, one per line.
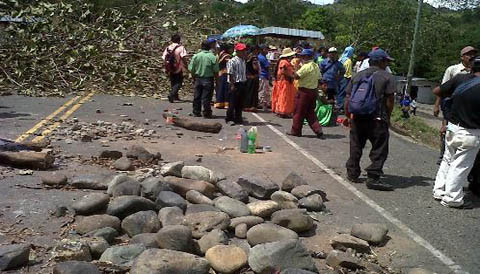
[{"x": 416, "y": 128}]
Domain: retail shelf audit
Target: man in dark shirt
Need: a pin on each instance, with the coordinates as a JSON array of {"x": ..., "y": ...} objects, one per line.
[
  {"x": 373, "y": 128},
  {"x": 462, "y": 137}
]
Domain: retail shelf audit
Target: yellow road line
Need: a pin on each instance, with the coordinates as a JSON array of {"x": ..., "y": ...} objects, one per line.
[
  {"x": 63, "y": 117},
  {"x": 47, "y": 119}
]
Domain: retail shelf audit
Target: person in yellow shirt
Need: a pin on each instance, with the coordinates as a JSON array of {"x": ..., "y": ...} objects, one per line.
[
  {"x": 305, "y": 99},
  {"x": 346, "y": 60}
]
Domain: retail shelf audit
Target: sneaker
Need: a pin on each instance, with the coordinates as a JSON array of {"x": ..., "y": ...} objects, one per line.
[
  {"x": 437, "y": 197},
  {"x": 462, "y": 205},
  {"x": 321, "y": 136},
  {"x": 376, "y": 184}
]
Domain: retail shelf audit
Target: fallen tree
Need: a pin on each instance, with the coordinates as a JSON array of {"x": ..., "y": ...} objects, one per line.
[
  {"x": 27, "y": 159},
  {"x": 190, "y": 124}
]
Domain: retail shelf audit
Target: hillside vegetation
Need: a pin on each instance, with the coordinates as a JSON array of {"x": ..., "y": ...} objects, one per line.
[{"x": 115, "y": 45}]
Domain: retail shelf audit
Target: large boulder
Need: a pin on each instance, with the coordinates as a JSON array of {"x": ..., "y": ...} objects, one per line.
[
  {"x": 313, "y": 202},
  {"x": 141, "y": 222},
  {"x": 203, "y": 222},
  {"x": 293, "y": 180},
  {"x": 14, "y": 256},
  {"x": 201, "y": 173},
  {"x": 196, "y": 197},
  {"x": 149, "y": 240},
  {"x": 107, "y": 233},
  {"x": 164, "y": 261},
  {"x": 182, "y": 186},
  {"x": 285, "y": 200},
  {"x": 169, "y": 199},
  {"x": 71, "y": 250},
  {"x": 175, "y": 237},
  {"x": 122, "y": 255},
  {"x": 280, "y": 255},
  {"x": 123, "y": 206},
  {"x": 122, "y": 185},
  {"x": 232, "y": 207},
  {"x": 267, "y": 233},
  {"x": 263, "y": 208},
  {"x": 197, "y": 208},
  {"x": 90, "y": 181},
  {"x": 172, "y": 169},
  {"x": 75, "y": 267},
  {"x": 294, "y": 219},
  {"x": 233, "y": 190},
  {"x": 256, "y": 187},
  {"x": 226, "y": 258},
  {"x": 95, "y": 222},
  {"x": 170, "y": 216},
  {"x": 213, "y": 238},
  {"x": 370, "y": 232},
  {"x": 91, "y": 203},
  {"x": 151, "y": 186}
]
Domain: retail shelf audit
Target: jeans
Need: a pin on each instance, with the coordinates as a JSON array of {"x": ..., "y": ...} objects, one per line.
[
  {"x": 462, "y": 146},
  {"x": 375, "y": 131},
  {"x": 203, "y": 96},
  {"x": 234, "y": 111},
  {"x": 342, "y": 88},
  {"x": 176, "y": 82},
  {"x": 305, "y": 103},
  {"x": 223, "y": 91}
]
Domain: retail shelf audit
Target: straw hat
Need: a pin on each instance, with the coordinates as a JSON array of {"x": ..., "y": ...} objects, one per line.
[{"x": 287, "y": 52}]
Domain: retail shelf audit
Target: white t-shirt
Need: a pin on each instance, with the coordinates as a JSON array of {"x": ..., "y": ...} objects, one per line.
[{"x": 452, "y": 71}]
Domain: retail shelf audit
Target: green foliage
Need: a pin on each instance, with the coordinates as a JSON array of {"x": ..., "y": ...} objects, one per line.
[{"x": 318, "y": 19}]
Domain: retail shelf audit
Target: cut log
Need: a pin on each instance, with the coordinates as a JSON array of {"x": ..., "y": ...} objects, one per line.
[
  {"x": 210, "y": 127},
  {"x": 9, "y": 145},
  {"x": 27, "y": 159}
]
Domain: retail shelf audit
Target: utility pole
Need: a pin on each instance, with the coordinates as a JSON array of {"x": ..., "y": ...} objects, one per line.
[{"x": 414, "y": 46}]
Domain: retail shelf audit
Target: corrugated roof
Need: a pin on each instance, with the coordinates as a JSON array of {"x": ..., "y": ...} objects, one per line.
[{"x": 285, "y": 32}]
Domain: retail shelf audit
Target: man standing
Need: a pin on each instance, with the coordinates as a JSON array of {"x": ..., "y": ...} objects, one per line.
[
  {"x": 174, "y": 60},
  {"x": 332, "y": 70},
  {"x": 305, "y": 99},
  {"x": 264, "y": 88},
  {"x": 347, "y": 63},
  {"x": 237, "y": 77},
  {"x": 463, "y": 67},
  {"x": 372, "y": 127},
  {"x": 204, "y": 67},
  {"x": 462, "y": 136}
]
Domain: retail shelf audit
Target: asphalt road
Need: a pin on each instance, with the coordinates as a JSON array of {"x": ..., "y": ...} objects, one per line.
[{"x": 410, "y": 168}]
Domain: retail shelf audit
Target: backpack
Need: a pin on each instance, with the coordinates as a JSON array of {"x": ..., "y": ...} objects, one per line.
[
  {"x": 448, "y": 102},
  {"x": 363, "y": 100},
  {"x": 170, "y": 63}
]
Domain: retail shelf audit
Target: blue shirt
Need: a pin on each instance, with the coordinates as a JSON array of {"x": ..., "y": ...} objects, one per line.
[
  {"x": 264, "y": 64},
  {"x": 330, "y": 71}
]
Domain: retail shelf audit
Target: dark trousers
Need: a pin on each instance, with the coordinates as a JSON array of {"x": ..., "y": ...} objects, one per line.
[
  {"x": 176, "y": 82},
  {"x": 235, "y": 105},
  {"x": 223, "y": 89},
  {"x": 305, "y": 102},
  {"x": 203, "y": 96},
  {"x": 375, "y": 131},
  {"x": 331, "y": 92},
  {"x": 342, "y": 91},
  {"x": 474, "y": 177}
]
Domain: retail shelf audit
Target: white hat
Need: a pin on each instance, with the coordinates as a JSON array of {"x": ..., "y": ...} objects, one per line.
[{"x": 332, "y": 49}]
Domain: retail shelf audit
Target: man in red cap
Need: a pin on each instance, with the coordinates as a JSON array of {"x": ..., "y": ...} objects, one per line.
[{"x": 237, "y": 78}]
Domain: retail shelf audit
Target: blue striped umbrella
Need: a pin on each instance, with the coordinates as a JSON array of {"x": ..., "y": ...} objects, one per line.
[{"x": 242, "y": 30}]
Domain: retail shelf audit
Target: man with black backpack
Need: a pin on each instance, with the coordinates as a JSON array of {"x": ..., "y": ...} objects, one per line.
[
  {"x": 174, "y": 64},
  {"x": 369, "y": 103}
]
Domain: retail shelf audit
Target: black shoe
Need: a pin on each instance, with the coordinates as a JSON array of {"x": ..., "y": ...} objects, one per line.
[
  {"x": 197, "y": 115},
  {"x": 207, "y": 116},
  {"x": 376, "y": 184},
  {"x": 321, "y": 136},
  {"x": 352, "y": 179},
  {"x": 170, "y": 98}
]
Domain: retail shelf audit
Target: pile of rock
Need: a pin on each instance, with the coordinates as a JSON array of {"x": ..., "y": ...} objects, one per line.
[
  {"x": 191, "y": 220},
  {"x": 75, "y": 130}
]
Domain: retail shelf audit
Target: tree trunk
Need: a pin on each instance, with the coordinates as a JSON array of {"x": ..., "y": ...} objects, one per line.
[
  {"x": 27, "y": 159},
  {"x": 210, "y": 127}
]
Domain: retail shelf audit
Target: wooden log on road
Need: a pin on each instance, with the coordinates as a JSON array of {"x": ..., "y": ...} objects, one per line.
[
  {"x": 27, "y": 159},
  {"x": 190, "y": 124}
]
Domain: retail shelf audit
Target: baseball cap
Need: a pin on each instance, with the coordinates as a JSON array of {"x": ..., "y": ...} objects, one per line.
[
  {"x": 240, "y": 47},
  {"x": 379, "y": 54},
  {"x": 306, "y": 52},
  {"x": 210, "y": 41},
  {"x": 467, "y": 49},
  {"x": 332, "y": 49}
]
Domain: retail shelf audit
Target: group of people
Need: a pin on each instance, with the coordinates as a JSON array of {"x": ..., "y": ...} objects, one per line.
[{"x": 459, "y": 99}]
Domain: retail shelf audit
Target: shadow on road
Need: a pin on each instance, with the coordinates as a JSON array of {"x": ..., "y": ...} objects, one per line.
[
  {"x": 405, "y": 182},
  {"x": 7, "y": 115}
]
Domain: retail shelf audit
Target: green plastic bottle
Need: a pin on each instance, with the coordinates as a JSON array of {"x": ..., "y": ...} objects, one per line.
[{"x": 251, "y": 142}]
